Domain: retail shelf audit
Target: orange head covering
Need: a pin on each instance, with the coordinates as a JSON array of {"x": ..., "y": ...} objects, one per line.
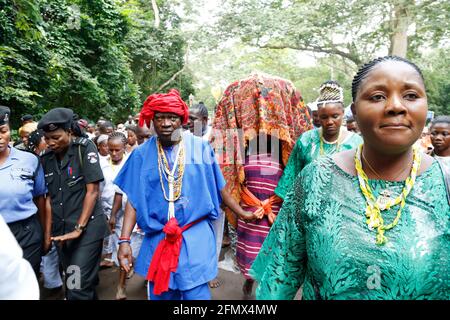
[
  {"x": 163, "y": 102},
  {"x": 257, "y": 104}
]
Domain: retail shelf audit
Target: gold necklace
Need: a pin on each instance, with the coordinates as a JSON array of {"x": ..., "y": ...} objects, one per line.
[
  {"x": 164, "y": 170},
  {"x": 378, "y": 175},
  {"x": 338, "y": 143}
]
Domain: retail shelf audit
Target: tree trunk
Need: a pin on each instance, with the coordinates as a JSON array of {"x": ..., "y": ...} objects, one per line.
[
  {"x": 156, "y": 12},
  {"x": 399, "y": 37}
]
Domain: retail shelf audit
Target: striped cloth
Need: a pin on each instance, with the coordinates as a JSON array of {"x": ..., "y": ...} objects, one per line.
[{"x": 262, "y": 174}]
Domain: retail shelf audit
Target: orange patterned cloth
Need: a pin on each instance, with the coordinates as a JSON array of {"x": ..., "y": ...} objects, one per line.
[{"x": 258, "y": 104}]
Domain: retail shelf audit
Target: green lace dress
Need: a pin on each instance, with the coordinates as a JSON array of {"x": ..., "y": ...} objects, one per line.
[
  {"x": 307, "y": 149},
  {"x": 320, "y": 240}
]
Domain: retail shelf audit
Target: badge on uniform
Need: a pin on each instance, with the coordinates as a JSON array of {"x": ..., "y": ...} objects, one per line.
[
  {"x": 92, "y": 157},
  {"x": 52, "y": 127}
]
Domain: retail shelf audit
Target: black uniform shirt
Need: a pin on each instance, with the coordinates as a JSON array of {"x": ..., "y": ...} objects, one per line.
[{"x": 66, "y": 183}]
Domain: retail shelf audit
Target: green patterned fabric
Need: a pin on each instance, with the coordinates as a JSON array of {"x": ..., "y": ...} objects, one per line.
[
  {"x": 307, "y": 149},
  {"x": 320, "y": 240}
]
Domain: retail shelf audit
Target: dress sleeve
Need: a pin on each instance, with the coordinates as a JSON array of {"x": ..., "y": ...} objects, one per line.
[
  {"x": 294, "y": 166},
  {"x": 280, "y": 265}
]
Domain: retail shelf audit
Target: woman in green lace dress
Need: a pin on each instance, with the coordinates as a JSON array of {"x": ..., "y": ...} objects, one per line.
[
  {"x": 330, "y": 138},
  {"x": 368, "y": 223}
]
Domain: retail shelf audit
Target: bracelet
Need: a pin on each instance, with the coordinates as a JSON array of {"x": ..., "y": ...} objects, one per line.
[
  {"x": 123, "y": 241},
  {"x": 125, "y": 238}
]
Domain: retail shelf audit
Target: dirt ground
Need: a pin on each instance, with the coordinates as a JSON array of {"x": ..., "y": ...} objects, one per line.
[{"x": 230, "y": 288}]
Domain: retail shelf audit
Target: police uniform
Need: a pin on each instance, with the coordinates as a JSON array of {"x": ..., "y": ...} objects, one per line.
[
  {"x": 66, "y": 182},
  {"x": 22, "y": 180}
]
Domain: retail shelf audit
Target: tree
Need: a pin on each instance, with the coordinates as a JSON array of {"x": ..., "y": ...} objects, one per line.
[
  {"x": 355, "y": 30},
  {"x": 436, "y": 68},
  {"x": 98, "y": 57},
  {"x": 65, "y": 54},
  {"x": 157, "y": 50},
  {"x": 223, "y": 66}
]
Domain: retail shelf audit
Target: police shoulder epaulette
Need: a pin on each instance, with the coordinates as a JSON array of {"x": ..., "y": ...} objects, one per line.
[{"x": 82, "y": 141}]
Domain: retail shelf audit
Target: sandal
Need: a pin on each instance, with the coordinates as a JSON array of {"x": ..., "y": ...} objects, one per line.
[
  {"x": 121, "y": 293},
  {"x": 130, "y": 273}
]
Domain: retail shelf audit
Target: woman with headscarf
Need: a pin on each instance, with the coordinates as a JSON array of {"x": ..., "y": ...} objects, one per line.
[
  {"x": 255, "y": 127},
  {"x": 102, "y": 145},
  {"x": 330, "y": 138},
  {"x": 371, "y": 222}
]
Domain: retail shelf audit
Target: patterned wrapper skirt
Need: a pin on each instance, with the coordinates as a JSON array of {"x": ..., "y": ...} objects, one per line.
[{"x": 261, "y": 174}]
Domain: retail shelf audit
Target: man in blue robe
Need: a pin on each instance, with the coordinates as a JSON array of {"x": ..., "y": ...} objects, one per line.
[{"x": 174, "y": 187}]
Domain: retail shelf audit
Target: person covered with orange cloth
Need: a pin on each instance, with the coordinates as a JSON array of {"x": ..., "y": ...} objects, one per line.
[{"x": 256, "y": 124}]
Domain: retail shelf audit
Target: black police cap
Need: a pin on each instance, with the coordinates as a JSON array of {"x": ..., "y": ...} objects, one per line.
[
  {"x": 55, "y": 119},
  {"x": 26, "y": 117},
  {"x": 5, "y": 113}
]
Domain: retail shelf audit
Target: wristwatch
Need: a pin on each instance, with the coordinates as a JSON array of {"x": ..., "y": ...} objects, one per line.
[{"x": 79, "y": 227}]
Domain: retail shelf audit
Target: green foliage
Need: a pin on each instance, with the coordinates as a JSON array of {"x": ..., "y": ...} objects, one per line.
[
  {"x": 355, "y": 30},
  {"x": 98, "y": 57},
  {"x": 156, "y": 53},
  {"x": 222, "y": 67},
  {"x": 436, "y": 69},
  {"x": 272, "y": 36}
]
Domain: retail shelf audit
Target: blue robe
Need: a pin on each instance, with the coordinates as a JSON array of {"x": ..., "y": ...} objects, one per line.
[{"x": 200, "y": 197}]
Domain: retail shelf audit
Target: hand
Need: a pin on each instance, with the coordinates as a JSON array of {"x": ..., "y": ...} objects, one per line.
[
  {"x": 112, "y": 224},
  {"x": 247, "y": 216},
  {"x": 125, "y": 256},
  {"x": 68, "y": 236}
]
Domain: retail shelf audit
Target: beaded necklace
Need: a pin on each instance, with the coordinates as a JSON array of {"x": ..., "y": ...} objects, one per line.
[
  {"x": 114, "y": 166},
  {"x": 175, "y": 181},
  {"x": 375, "y": 206},
  {"x": 337, "y": 142}
]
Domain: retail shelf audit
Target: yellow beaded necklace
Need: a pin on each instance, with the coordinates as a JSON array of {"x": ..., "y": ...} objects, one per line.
[{"x": 375, "y": 206}]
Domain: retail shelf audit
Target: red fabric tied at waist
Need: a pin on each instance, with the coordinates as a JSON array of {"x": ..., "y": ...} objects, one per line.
[
  {"x": 165, "y": 258},
  {"x": 264, "y": 207}
]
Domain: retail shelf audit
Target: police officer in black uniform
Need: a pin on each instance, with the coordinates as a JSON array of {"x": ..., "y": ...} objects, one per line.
[{"x": 78, "y": 225}]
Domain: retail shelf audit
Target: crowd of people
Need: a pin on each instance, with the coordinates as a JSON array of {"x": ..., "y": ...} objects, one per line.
[{"x": 345, "y": 205}]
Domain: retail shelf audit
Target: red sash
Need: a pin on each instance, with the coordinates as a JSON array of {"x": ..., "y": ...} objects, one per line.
[{"x": 165, "y": 258}]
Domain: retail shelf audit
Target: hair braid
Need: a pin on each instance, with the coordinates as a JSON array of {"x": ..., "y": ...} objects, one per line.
[
  {"x": 119, "y": 136},
  {"x": 441, "y": 119},
  {"x": 366, "y": 68},
  {"x": 330, "y": 91}
]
